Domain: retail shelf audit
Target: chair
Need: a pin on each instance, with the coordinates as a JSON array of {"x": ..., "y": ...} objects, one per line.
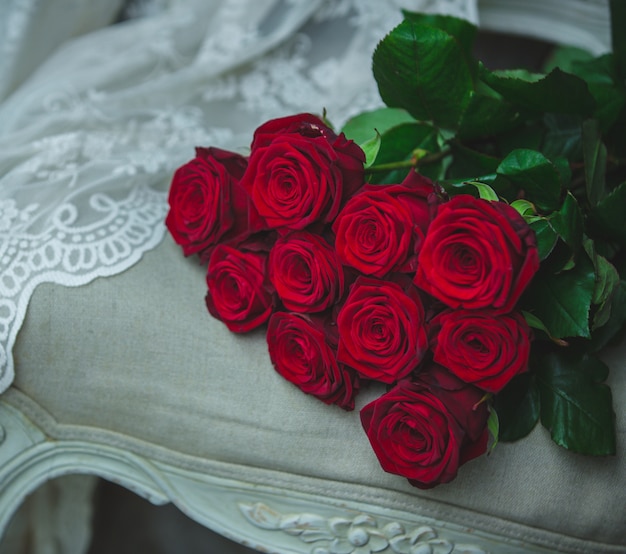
[{"x": 128, "y": 378}]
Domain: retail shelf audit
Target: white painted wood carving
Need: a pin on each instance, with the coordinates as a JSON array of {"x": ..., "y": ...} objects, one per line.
[{"x": 270, "y": 519}]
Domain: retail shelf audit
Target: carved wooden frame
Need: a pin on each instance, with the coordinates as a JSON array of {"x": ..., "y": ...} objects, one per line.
[{"x": 270, "y": 519}]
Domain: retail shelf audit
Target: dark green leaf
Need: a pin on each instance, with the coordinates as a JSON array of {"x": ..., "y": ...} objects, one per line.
[
  {"x": 529, "y": 136},
  {"x": 517, "y": 406},
  {"x": 603, "y": 81},
  {"x": 563, "y": 301},
  {"x": 399, "y": 143},
  {"x": 576, "y": 407},
  {"x": 424, "y": 70},
  {"x": 469, "y": 164},
  {"x": 618, "y": 38},
  {"x": 363, "y": 127},
  {"x": 594, "y": 153},
  {"x": 557, "y": 92},
  {"x": 546, "y": 237},
  {"x": 533, "y": 173},
  {"x": 565, "y": 57},
  {"x": 563, "y": 136},
  {"x": 615, "y": 324},
  {"x": 561, "y": 164},
  {"x": 461, "y": 29},
  {"x": 568, "y": 223},
  {"x": 607, "y": 281},
  {"x": 608, "y": 216},
  {"x": 486, "y": 116}
]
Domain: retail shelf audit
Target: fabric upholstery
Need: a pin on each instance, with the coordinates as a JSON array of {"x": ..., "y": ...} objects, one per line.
[{"x": 136, "y": 359}]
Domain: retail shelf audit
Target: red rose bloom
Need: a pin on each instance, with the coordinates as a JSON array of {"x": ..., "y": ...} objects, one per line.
[
  {"x": 425, "y": 429},
  {"x": 306, "y": 272},
  {"x": 239, "y": 293},
  {"x": 477, "y": 254},
  {"x": 300, "y": 172},
  {"x": 481, "y": 347},
  {"x": 381, "y": 328},
  {"x": 303, "y": 352},
  {"x": 381, "y": 228},
  {"x": 206, "y": 201}
]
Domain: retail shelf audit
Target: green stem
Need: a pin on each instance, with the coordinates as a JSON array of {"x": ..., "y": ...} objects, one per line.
[
  {"x": 414, "y": 161},
  {"x": 391, "y": 166}
]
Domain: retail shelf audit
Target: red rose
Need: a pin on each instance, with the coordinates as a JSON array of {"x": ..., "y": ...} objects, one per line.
[
  {"x": 481, "y": 347},
  {"x": 306, "y": 272},
  {"x": 240, "y": 295},
  {"x": 300, "y": 172},
  {"x": 477, "y": 254},
  {"x": 303, "y": 351},
  {"x": 381, "y": 328},
  {"x": 425, "y": 429},
  {"x": 206, "y": 201},
  {"x": 381, "y": 228}
]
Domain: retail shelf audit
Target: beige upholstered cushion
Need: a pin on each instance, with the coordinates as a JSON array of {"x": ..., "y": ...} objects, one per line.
[{"x": 136, "y": 360}]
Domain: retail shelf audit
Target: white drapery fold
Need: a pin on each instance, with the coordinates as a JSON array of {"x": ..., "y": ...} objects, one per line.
[{"x": 96, "y": 115}]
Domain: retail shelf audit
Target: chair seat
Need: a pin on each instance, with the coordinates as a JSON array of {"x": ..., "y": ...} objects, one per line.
[{"x": 130, "y": 378}]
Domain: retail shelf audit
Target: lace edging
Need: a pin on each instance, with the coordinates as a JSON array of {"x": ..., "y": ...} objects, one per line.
[{"x": 74, "y": 256}]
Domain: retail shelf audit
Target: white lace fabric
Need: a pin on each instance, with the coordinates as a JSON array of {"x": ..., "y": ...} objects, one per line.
[{"x": 91, "y": 132}]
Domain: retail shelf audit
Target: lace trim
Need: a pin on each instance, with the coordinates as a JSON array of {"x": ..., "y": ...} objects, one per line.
[
  {"x": 71, "y": 255},
  {"x": 74, "y": 149}
]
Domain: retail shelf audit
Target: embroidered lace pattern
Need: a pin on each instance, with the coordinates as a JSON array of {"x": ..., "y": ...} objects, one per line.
[{"x": 89, "y": 141}]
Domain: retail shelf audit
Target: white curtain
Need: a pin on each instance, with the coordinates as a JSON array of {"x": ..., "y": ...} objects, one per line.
[{"x": 100, "y": 101}]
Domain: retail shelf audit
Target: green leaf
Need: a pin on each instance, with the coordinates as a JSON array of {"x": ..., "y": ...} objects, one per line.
[
  {"x": 370, "y": 148},
  {"x": 461, "y": 29},
  {"x": 363, "y": 126},
  {"x": 529, "y": 136},
  {"x": 604, "y": 335},
  {"x": 493, "y": 425},
  {"x": 594, "y": 153},
  {"x": 607, "y": 281},
  {"x": 533, "y": 173},
  {"x": 605, "y": 86},
  {"x": 563, "y": 136},
  {"x": 484, "y": 191},
  {"x": 534, "y": 322},
  {"x": 486, "y": 116},
  {"x": 468, "y": 163},
  {"x": 568, "y": 223},
  {"x": 546, "y": 237},
  {"x": 526, "y": 209},
  {"x": 576, "y": 407},
  {"x": 608, "y": 216},
  {"x": 556, "y": 92},
  {"x": 518, "y": 408},
  {"x": 399, "y": 143},
  {"x": 618, "y": 39},
  {"x": 424, "y": 70},
  {"x": 563, "y": 300},
  {"x": 565, "y": 57}
]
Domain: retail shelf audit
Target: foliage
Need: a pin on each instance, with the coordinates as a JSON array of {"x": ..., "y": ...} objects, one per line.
[{"x": 552, "y": 145}]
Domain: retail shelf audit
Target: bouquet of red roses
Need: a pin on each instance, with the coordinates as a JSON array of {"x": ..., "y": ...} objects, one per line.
[{"x": 419, "y": 247}]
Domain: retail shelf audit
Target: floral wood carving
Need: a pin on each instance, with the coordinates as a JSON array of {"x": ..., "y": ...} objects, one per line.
[{"x": 360, "y": 534}]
